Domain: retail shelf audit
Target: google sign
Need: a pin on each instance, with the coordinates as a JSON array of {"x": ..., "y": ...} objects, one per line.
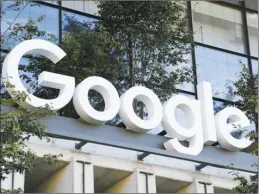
[{"x": 206, "y": 128}]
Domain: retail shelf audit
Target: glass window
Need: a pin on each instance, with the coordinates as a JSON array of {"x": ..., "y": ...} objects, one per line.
[
  {"x": 76, "y": 5},
  {"x": 218, "y": 68},
  {"x": 34, "y": 11},
  {"x": 252, "y": 24},
  {"x": 184, "y": 86},
  {"x": 83, "y": 6},
  {"x": 218, "y": 25},
  {"x": 218, "y": 106},
  {"x": 23, "y": 61},
  {"x": 252, "y": 4},
  {"x": 52, "y": 2},
  {"x": 255, "y": 66},
  {"x": 67, "y": 25}
]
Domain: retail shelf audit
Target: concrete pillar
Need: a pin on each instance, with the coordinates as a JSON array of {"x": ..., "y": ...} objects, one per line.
[
  {"x": 76, "y": 177},
  {"x": 140, "y": 181},
  {"x": 13, "y": 181},
  {"x": 198, "y": 186}
]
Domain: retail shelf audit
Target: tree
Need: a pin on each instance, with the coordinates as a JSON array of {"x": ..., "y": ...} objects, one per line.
[
  {"x": 15, "y": 32},
  {"x": 18, "y": 125},
  {"x": 142, "y": 47},
  {"x": 90, "y": 52},
  {"x": 154, "y": 39},
  {"x": 247, "y": 89}
]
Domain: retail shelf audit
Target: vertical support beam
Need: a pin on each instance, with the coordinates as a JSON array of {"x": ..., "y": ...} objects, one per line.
[
  {"x": 198, "y": 186},
  {"x": 140, "y": 181},
  {"x": 60, "y": 21}
]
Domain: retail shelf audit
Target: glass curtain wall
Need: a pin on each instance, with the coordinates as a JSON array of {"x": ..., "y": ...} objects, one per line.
[{"x": 220, "y": 35}]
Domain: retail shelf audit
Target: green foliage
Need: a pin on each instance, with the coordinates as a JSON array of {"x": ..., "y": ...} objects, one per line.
[
  {"x": 247, "y": 88},
  {"x": 90, "y": 52},
  {"x": 141, "y": 47},
  {"x": 20, "y": 31},
  {"x": 154, "y": 39},
  {"x": 14, "y": 191},
  {"x": 18, "y": 125},
  {"x": 245, "y": 186}
]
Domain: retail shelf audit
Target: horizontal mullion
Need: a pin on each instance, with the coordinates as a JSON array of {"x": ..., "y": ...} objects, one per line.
[
  {"x": 224, "y": 3},
  {"x": 48, "y": 4},
  {"x": 80, "y": 13},
  {"x": 251, "y": 10},
  {"x": 224, "y": 100},
  {"x": 186, "y": 92},
  {"x": 4, "y": 50},
  {"x": 255, "y": 58},
  {"x": 221, "y": 49}
]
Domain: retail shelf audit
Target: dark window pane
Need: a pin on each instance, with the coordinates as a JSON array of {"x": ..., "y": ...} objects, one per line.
[
  {"x": 89, "y": 7},
  {"x": 28, "y": 11},
  {"x": 68, "y": 18},
  {"x": 219, "y": 68},
  {"x": 218, "y": 106},
  {"x": 184, "y": 86}
]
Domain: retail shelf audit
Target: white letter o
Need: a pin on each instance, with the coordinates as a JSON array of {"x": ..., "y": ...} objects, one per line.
[
  {"x": 85, "y": 109},
  {"x": 153, "y": 104}
]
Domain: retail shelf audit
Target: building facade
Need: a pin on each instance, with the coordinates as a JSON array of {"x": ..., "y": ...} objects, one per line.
[{"x": 225, "y": 35}]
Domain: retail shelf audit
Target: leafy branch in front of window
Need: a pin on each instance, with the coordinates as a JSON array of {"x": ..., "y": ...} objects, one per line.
[
  {"x": 246, "y": 88},
  {"x": 17, "y": 127}
]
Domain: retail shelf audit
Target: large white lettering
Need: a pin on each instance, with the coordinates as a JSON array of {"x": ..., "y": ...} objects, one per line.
[
  {"x": 66, "y": 84},
  {"x": 204, "y": 126}
]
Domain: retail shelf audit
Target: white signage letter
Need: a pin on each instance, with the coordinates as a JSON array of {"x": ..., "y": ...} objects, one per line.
[
  {"x": 85, "y": 109},
  {"x": 224, "y": 129},
  {"x": 207, "y": 111},
  {"x": 193, "y": 111},
  {"x": 153, "y": 104},
  {"x": 66, "y": 84}
]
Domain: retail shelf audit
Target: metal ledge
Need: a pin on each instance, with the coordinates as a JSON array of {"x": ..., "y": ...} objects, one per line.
[{"x": 78, "y": 130}]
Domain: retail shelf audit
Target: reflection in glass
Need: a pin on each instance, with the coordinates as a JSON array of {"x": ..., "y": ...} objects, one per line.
[
  {"x": 255, "y": 66},
  {"x": 28, "y": 11},
  {"x": 218, "y": 25},
  {"x": 218, "y": 106},
  {"x": 68, "y": 19},
  {"x": 183, "y": 86},
  {"x": 252, "y": 23},
  {"x": 23, "y": 75},
  {"x": 220, "y": 69}
]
